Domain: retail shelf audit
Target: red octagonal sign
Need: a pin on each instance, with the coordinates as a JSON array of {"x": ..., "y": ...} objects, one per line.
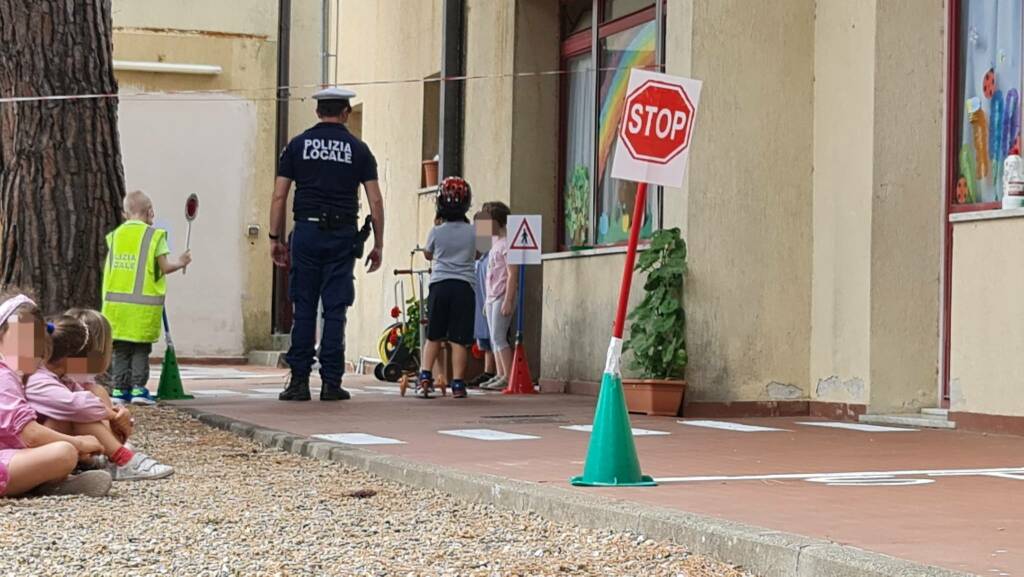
[{"x": 657, "y": 122}]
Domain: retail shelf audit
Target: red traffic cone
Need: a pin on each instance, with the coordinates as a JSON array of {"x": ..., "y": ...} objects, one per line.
[{"x": 520, "y": 382}]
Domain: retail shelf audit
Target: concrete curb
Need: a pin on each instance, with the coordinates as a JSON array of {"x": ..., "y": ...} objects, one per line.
[{"x": 764, "y": 552}]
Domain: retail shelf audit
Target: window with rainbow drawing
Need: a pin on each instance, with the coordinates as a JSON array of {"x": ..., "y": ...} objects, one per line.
[
  {"x": 620, "y": 53},
  {"x": 987, "y": 119}
]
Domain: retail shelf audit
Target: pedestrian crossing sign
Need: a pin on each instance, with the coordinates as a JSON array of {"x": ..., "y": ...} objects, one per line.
[{"x": 524, "y": 240}]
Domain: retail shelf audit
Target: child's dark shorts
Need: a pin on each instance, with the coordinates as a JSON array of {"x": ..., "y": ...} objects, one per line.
[{"x": 451, "y": 307}]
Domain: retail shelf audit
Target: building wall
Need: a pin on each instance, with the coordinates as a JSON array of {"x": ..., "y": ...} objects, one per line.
[
  {"x": 844, "y": 120},
  {"x": 392, "y": 125},
  {"x": 252, "y": 17},
  {"x": 811, "y": 207},
  {"x": 907, "y": 205},
  {"x": 987, "y": 367},
  {"x": 580, "y": 294},
  {"x": 305, "y": 72},
  {"x": 219, "y": 147},
  {"x": 749, "y": 201},
  {"x": 490, "y": 42},
  {"x": 747, "y": 223},
  {"x": 534, "y": 174},
  {"x": 678, "y": 62},
  {"x": 878, "y": 203}
]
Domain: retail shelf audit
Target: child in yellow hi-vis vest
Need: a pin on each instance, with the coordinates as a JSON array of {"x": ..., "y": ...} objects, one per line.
[{"x": 134, "y": 286}]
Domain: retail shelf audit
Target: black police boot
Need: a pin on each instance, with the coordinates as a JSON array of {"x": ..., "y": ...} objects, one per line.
[
  {"x": 297, "y": 389},
  {"x": 333, "y": 393}
]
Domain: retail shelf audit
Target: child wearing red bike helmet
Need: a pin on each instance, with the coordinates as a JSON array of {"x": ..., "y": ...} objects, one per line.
[{"x": 451, "y": 305}]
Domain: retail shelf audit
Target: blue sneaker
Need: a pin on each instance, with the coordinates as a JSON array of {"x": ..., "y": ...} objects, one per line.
[
  {"x": 141, "y": 396},
  {"x": 425, "y": 385},
  {"x": 120, "y": 396},
  {"x": 458, "y": 390}
]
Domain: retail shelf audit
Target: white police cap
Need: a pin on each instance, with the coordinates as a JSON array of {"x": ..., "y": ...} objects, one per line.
[{"x": 334, "y": 93}]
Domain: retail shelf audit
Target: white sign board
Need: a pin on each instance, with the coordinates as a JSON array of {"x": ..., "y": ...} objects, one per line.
[
  {"x": 658, "y": 117},
  {"x": 524, "y": 238}
]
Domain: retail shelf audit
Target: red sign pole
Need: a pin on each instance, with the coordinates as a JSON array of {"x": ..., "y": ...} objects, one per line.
[{"x": 627, "y": 272}]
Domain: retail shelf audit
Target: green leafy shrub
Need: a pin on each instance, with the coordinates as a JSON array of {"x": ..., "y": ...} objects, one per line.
[
  {"x": 657, "y": 330},
  {"x": 411, "y": 330},
  {"x": 577, "y": 207}
]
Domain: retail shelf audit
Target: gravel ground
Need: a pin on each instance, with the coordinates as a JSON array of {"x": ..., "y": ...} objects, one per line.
[{"x": 236, "y": 508}]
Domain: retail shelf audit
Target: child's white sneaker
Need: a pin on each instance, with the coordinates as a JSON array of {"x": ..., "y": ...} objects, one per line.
[
  {"x": 141, "y": 468},
  {"x": 495, "y": 384}
]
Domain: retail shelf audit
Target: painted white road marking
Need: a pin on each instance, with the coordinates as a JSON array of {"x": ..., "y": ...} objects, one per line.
[
  {"x": 358, "y": 439},
  {"x": 268, "y": 391},
  {"x": 855, "y": 427},
  {"x": 262, "y": 396},
  {"x": 487, "y": 435},
  {"x": 214, "y": 373},
  {"x": 636, "y": 432},
  {"x": 727, "y": 426},
  {"x": 863, "y": 478},
  {"x": 879, "y": 481},
  {"x": 215, "y": 393}
]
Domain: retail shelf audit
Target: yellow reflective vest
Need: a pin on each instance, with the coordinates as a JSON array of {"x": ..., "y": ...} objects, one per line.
[{"x": 134, "y": 287}]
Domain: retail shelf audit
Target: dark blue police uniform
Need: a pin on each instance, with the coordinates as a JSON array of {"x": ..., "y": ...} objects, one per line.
[{"x": 327, "y": 164}]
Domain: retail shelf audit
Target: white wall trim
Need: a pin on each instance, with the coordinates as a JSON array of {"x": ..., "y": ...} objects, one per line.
[
  {"x": 986, "y": 215},
  {"x": 166, "y": 68},
  {"x": 587, "y": 252}
]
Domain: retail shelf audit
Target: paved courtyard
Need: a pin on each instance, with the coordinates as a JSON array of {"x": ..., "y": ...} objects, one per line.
[
  {"x": 237, "y": 508},
  {"x": 938, "y": 497}
]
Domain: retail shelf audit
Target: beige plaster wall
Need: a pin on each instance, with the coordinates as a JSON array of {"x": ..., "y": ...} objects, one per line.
[
  {"x": 392, "y": 123},
  {"x": 987, "y": 367},
  {"x": 907, "y": 197},
  {"x": 491, "y": 41},
  {"x": 534, "y": 174},
  {"x": 580, "y": 295},
  {"x": 878, "y": 203},
  {"x": 305, "y": 73},
  {"x": 747, "y": 222},
  {"x": 749, "y": 203},
  {"x": 252, "y": 17},
  {"x": 248, "y": 62},
  {"x": 678, "y": 62},
  {"x": 844, "y": 120}
]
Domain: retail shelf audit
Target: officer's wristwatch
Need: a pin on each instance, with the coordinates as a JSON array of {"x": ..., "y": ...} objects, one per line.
[{"x": 274, "y": 237}]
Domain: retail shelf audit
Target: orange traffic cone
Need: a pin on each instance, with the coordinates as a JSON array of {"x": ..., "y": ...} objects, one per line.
[{"x": 520, "y": 381}]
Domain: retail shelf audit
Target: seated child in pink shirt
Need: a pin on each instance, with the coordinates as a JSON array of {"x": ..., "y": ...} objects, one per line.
[
  {"x": 33, "y": 457},
  {"x": 65, "y": 406},
  {"x": 92, "y": 362}
]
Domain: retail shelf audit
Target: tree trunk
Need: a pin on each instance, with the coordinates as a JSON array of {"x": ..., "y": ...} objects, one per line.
[{"x": 61, "y": 179}]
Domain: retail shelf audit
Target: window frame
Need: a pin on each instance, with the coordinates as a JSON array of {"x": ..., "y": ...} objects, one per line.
[
  {"x": 954, "y": 108},
  {"x": 580, "y": 43}
]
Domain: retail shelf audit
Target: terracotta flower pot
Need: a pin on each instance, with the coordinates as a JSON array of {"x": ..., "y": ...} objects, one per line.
[
  {"x": 661, "y": 398},
  {"x": 429, "y": 173}
]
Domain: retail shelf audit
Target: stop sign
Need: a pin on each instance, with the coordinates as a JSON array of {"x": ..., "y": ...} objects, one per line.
[{"x": 658, "y": 121}]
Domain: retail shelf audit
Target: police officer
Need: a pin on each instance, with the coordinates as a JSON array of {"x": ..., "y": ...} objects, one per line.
[{"x": 327, "y": 164}]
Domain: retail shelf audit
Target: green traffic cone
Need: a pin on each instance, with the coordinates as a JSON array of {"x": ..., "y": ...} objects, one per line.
[
  {"x": 611, "y": 457},
  {"x": 170, "y": 388}
]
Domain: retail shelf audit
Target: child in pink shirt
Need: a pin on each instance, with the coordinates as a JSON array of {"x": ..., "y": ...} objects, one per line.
[
  {"x": 499, "y": 305},
  {"x": 33, "y": 457},
  {"x": 68, "y": 408}
]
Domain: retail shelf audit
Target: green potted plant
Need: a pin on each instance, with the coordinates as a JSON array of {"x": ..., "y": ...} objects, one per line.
[
  {"x": 577, "y": 207},
  {"x": 657, "y": 330}
]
